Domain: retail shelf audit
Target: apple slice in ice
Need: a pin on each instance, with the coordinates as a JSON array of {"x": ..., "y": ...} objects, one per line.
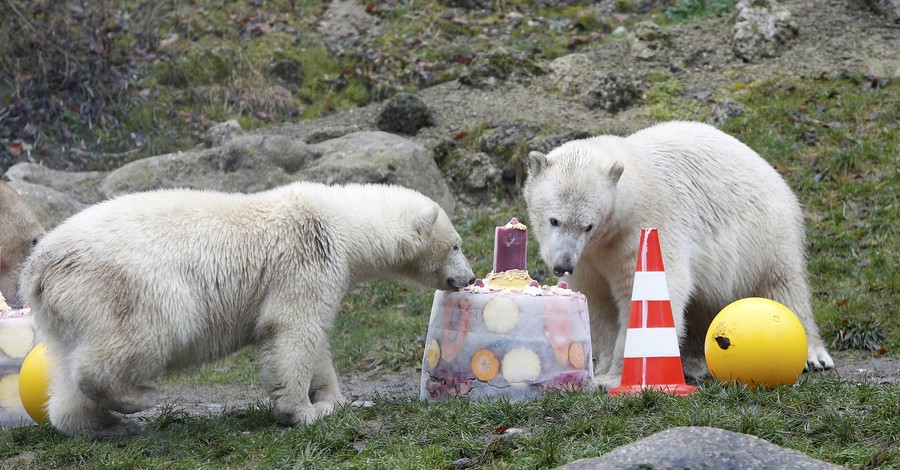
[
  {"x": 16, "y": 338},
  {"x": 521, "y": 365},
  {"x": 501, "y": 314}
]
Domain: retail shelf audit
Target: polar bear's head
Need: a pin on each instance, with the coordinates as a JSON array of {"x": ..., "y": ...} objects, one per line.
[
  {"x": 571, "y": 198},
  {"x": 438, "y": 260}
]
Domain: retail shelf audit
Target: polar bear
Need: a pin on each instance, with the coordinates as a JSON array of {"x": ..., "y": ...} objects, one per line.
[
  {"x": 19, "y": 231},
  {"x": 150, "y": 282},
  {"x": 729, "y": 228}
]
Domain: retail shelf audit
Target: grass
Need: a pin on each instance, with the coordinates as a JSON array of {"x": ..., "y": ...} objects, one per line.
[{"x": 837, "y": 143}]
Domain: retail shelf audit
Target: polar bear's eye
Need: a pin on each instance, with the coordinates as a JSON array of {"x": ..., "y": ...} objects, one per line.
[
  {"x": 589, "y": 228},
  {"x": 455, "y": 247},
  {"x": 553, "y": 221}
]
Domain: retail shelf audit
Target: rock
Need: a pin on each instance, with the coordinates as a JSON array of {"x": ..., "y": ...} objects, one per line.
[
  {"x": 49, "y": 205},
  {"x": 611, "y": 91},
  {"x": 247, "y": 163},
  {"x": 548, "y": 143},
  {"x": 888, "y": 8},
  {"x": 571, "y": 73},
  {"x": 469, "y": 4},
  {"x": 647, "y": 40},
  {"x": 473, "y": 177},
  {"x": 405, "y": 114},
  {"x": 724, "y": 111},
  {"x": 345, "y": 21},
  {"x": 762, "y": 29},
  {"x": 698, "y": 448},
  {"x": 502, "y": 63},
  {"x": 222, "y": 132},
  {"x": 81, "y": 186},
  {"x": 379, "y": 157}
]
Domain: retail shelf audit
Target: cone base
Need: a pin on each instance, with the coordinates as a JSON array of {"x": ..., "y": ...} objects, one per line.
[{"x": 674, "y": 389}]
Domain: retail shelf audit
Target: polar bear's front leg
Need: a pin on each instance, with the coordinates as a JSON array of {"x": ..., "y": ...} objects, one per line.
[
  {"x": 324, "y": 387},
  {"x": 287, "y": 359},
  {"x": 615, "y": 348}
]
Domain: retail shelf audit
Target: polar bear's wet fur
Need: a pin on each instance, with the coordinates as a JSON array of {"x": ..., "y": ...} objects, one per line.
[
  {"x": 729, "y": 228},
  {"x": 145, "y": 283}
]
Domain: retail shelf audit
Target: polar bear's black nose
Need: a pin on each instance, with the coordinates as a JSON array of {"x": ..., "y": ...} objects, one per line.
[
  {"x": 562, "y": 269},
  {"x": 454, "y": 284}
]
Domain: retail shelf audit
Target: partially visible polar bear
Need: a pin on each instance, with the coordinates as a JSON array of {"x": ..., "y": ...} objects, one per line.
[
  {"x": 729, "y": 228},
  {"x": 141, "y": 284},
  {"x": 19, "y": 231}
]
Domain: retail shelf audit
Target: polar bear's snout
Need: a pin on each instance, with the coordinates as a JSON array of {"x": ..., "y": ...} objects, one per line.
[
  {"x": 459, "y": 283},
  {"x": 563, "y": 268}
]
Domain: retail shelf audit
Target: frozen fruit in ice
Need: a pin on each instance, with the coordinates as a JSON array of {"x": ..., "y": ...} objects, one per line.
[
  {"x": 485, "y": 365},
  {"x": 576, "y": 354},
  {"x": 432, "y": 353},
  {"x": 501, "y": 314},
  {"x": 558, "y": 327},
  {"x": 521, "y": 365},
  {"x": 456, "y": 325}
]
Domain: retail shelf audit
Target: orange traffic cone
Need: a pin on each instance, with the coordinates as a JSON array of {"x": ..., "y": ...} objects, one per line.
[{"x": 652, "y": 357}]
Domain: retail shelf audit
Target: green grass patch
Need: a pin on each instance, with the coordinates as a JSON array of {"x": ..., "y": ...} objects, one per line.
[{"x": 831, "y": 420}]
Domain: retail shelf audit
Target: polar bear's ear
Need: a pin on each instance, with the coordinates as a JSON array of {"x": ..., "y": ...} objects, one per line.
[
  {"x": 425, "y": 219},
  {"x": 616, "y": 172},
  {"x": 537, "y": 161}
]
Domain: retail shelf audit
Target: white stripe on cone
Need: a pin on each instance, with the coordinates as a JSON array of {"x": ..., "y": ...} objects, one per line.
[
  {"x": 650, "y": 285},
  {"x": 651, "y": 342}
]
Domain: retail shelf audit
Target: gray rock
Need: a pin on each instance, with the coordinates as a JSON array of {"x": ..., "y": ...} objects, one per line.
[
  {"x": 611, "y": 92},
  {"x": 888, "y": 8},
  {"x": 473, "y": 177},
  {"x": 502, "y": 63},
  {"x": 223, "y": 132},
  {"x": 81, "y": 186},
  {"x": 379, "y": 157},
  {"x": 700, "y": 448},
  {"x": 469, "y": 4},
  {"x": 762, "y": 28},
  {"x": 647, "y": 40},
  {"x": 404, "y": 113},
  {"x": 345, "y": 21},
  {"x": 247, "y": 163},
  {"x": 550, "y": 142},
  {"x": 724, "y": 111},
  {"x": 571, "y": 73},
  {"x": 49, "y": 205}
]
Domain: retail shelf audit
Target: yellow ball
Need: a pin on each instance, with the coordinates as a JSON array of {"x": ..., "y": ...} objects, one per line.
[
  {"x": 756, "y": 341},
  {"x": 33, "y": 383}
]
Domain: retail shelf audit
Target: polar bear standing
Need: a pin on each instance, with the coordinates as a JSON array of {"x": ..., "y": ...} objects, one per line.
[
  {"x": 729, "y": 228},
  {"x": 135, "y": 286}
]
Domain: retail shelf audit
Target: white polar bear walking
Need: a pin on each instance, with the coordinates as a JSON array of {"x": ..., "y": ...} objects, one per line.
[
  {"x": 729, "y": 228},
  {"x": 149, "y": 282}
]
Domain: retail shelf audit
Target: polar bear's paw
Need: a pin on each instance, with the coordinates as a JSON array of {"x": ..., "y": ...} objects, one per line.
[
  {"x": 607, "y": 381},
  {"x": 327, "y": 395},
  {"x": 304, "y": 414},
  {"x": 817, "y": 358}
]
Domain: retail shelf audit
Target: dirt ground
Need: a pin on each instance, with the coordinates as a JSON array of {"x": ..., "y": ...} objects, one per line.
[{"x": 364, "y": 386}]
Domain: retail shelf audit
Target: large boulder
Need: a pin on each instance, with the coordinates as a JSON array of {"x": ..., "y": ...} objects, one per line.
[
  {"x": 762, "y": 28},
  {"x": 245, "y": 163},
  {"x": 700, "y": 447}
]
